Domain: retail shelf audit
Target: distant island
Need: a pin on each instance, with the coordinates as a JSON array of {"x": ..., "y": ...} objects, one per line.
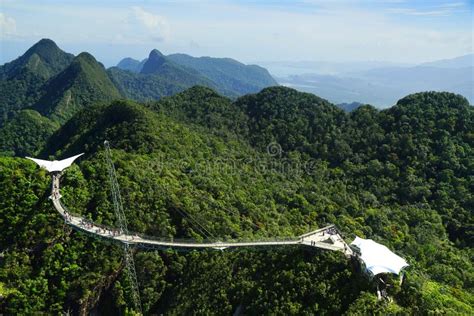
[{"x": 378, "y": 83}]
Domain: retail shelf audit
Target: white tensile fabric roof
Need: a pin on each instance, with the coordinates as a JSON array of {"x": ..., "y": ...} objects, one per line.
[
  {"x": 56, "y": 165},
  {"x": 378, "y": 258}
]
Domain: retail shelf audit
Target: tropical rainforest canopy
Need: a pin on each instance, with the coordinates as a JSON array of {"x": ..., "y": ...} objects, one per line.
[{"x": 277, "y": 163}]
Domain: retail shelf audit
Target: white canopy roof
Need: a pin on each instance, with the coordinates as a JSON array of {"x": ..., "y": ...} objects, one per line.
[
  {"x": 378, "y": 258},
  {"x": 56, "y": 165}
]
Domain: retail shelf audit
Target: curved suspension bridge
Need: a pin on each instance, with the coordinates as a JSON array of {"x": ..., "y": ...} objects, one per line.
[{"x": 325, "y": 238}]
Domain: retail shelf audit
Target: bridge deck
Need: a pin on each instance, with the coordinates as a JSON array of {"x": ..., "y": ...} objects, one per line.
[{"x": 326, "y": 238}]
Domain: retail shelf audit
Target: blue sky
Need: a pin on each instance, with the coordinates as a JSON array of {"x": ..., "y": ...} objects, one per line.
[{"x": 338, "y": 30}]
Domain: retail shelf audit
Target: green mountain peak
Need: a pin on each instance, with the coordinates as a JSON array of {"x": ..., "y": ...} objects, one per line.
[
  {"x": 46, "y": 52},
  {"x": 155, "y": 61},
  {"x": 86, "y": 57},
  {"x": 131, "y": 64},
  {"x": 43, "y": 47},
  {"x": 21, "y": 80},
  {"x": 155, "y": 52},
  {"x": 81, "y": 84}
]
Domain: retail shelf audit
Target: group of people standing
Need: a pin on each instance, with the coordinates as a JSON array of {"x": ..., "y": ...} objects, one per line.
[
  {"x": 67, "y": 217},
  {"x": 88, "y": 225}
]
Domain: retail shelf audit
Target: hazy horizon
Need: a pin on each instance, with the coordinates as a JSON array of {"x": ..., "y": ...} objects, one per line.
[{"x": 338, "y": 31}]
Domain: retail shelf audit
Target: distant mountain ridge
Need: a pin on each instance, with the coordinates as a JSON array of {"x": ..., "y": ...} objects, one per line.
[
  {"x": 382, "y": 87},
  {"x": 457, "y": 62},
  {"x": 377, "y": 83},
  {"x": 154, "y": 62},
  {"x": 159, "y": 64},
  {"x": 349, "y": 107},
  {"x": 83, "y": 82},
  {"x": 36, "y": 80},
  {"x": 131, "y": 64},
  {"x": 53, "y": 85},
  {"x": 229, "y": 73},
  {"x": 157, "y": 77},
  {"x": 232, "y": 78}
]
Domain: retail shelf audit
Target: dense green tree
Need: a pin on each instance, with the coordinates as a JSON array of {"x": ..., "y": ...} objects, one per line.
[
  {"x": 197, "y": 166},
  {"x": 26, "y": 133}
]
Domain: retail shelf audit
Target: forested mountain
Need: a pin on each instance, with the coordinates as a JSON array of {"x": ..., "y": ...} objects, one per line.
[
  {"x": 401, "y": 176},
  {"x": 158, "y": 64},
  {"x": 141, "y": 87},
  {"x": 43, "y": 59},
  {"x": 227, "y": 75},
  {"x": 83, "y": 82},
  {"x": 295, "y": 120},
  {"x": 158, "y": 77},
  {"x": 21, "y": 79},
  {"x": 131, "y": 64},
  {"x": 163, "y": 75},
  {"x": 56, "y": 85},
  {"x": 204, "y": 107},
  {"x": 44, "y": 87}
]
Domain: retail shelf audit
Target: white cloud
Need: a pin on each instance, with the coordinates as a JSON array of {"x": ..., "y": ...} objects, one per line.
[
  {"x": 416, "y": 12},
  {"x": 444, "y": 9},
  {"x": 7, "y": 26},
  {"x": 343, "y": 30},
  {"x": 156, "y": 25},
  {"x": 452, "y": 5}
]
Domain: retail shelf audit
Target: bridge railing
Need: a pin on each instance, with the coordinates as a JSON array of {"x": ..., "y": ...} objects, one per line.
[
  {"x": 217, "y": 240},
  {"x": 181, "y": 240}
]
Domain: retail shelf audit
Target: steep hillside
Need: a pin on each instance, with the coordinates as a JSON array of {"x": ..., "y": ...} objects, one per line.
[
  {"x": 121, "y": 120},
  {"x": 44, "y": 59},
  {"x": 159, "y": 77},
  {"x": 82, "y": 83},
  {"x": 417, "y": 139},
  {"x": 228, "y": 73},
  {"x": 158, "y": 64},
  {"x": 25, "y": 134},
  {"x": 225, "y": 75},
  {"x": 140, "y": 87},
  {"x": 21, "y": 79},
  {"x": 34, "y": 80}
]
